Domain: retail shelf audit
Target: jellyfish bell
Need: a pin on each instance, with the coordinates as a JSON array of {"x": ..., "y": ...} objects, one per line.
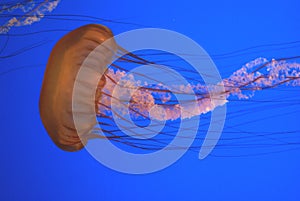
[{"x": 63, "y": 66}]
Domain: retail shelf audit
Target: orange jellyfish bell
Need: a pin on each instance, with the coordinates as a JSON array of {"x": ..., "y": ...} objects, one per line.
[{"x": 63, "y": 66}]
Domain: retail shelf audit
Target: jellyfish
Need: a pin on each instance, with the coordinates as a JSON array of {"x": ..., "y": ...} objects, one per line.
[
  {"x": 157, "y": 101},
  {"x": 147, "y": 99}
]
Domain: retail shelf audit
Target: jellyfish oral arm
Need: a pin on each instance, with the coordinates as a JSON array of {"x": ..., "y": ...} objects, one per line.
[{"x": 254, "y": 76}]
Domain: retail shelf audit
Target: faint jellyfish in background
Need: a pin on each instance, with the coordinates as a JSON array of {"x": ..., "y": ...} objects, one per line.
[
  {"x": 23, "y": 13},
  {"x": 147, "y": 100}
]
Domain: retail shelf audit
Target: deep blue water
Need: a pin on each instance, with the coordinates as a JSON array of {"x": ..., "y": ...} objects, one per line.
[{"x": 33, "y": 168}]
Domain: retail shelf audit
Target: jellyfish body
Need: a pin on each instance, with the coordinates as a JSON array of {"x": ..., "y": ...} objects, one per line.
[{"x": 56, "y": 95}]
